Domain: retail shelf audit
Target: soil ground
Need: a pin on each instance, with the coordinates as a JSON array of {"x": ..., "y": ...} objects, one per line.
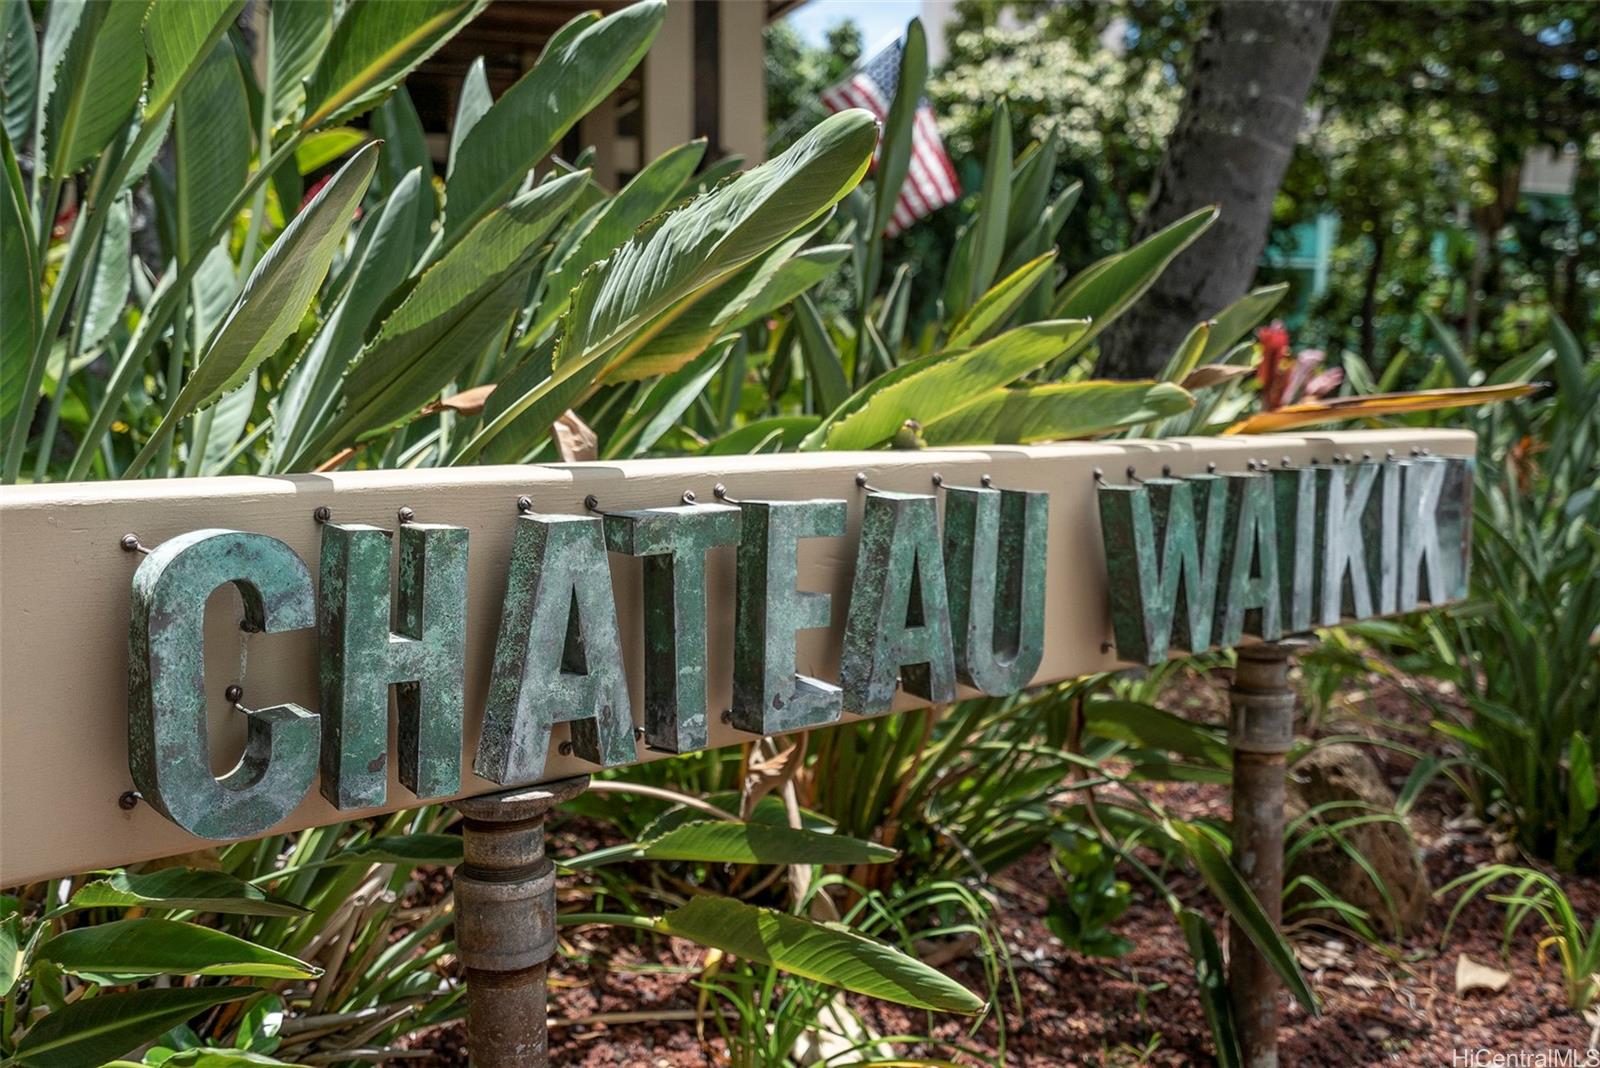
[{"x": 619, "y": 1000}]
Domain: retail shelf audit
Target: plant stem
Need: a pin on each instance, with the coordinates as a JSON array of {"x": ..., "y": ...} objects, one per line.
[{"x": 578, "y": 919}]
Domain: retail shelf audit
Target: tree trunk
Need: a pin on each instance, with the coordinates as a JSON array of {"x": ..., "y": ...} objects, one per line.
[
  {"x": 1369, "y": 295},
  {"x": 1245, "y": 96}
]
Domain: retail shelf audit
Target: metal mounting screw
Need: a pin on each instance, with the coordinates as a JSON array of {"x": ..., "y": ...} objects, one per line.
[
  {"x": 129, "y": 800},
  {"x": 406, "y": 515},
  {"x": 938, "y": 480},
  {"x": 1166, "y": 470},
  {"x": 1211, "y": 468},
  {"x": 130, "y": 543},
  {"x": 986, "y": 481},
  {"x": 565, "y": 748},
  {"x": 688, "y": 497},
  {"x": 720, "y": 492},
  {"x": 524, "y": 505},
  {"x": 233, "y": 694},
  {"x": 322, "y": 513},
  {"x": 592, "y": 503}
]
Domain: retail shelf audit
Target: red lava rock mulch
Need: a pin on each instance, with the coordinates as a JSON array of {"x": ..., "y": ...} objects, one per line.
[{"x": 1394, "y": 1005}]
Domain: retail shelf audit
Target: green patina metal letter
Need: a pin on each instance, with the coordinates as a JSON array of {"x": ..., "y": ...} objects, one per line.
[
  {"x": 168, "y": 750},
  {"x": 898, "y": 626},
  {"x": 673, "y": 543},
  {"x": 1346, "y": 576},
  {"x": 1380, "y": 526},
  {"x": 1421, "y": 551},
  {"x": 1252, "y": 600},
  {"x": 1455, "y": 525},
  {"x": 1435, "y": 530},
  {"x": 768, "y": 696},
  {"x": 995, "y": 543},
  {"x": 1169, "y": 596},
  {"x": 558, "y": 658},
  {"x": 425, "y": 659},
  {"x": 1299, "y": 494}
]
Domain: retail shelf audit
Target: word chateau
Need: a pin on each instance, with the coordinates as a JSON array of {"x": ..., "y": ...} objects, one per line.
[{"x": 1191, "y": 563}]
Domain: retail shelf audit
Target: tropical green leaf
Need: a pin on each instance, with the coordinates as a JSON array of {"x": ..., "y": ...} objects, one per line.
[
  {"x": 211, "y": 1058},
  {"x": 575, "y": 73},
  {"x": 822, "y": 952},
  {"x": 636, "y": 291},
  {"x": 472, "y": 104},
  {"x": 210, "y": 147},
  {"x": 181, "y": 888},
  {"x": 651, "y": 192},
  {"x": 323, "y": 147},
  {"x": 94, "y": 61},
  {"x": 380, "y": 263},
  {"x": 1569, "y": 365},
  {"x": 1583, "y": 794},
  {"x": 409, "y": 849},
  {"x": 1000, "y": 301},
  {"x": 736, "y": 842},
  {"x": 179, "y": 35},
  {"x": 795, "y": 275},
  {"x": 665, "y": 400},
  {"x": 93, "y": 1030},
  {"x": 110, "y": 276},
  {"x": 1057, "y": 411},
  {"x": 1237, "y": 320},
  {"x": 19, "y": 303},
  {"x": 405, "y": 145},
  {"x": 148, "y": 946},
  {"x": 1149, "y": 727},
  {"x": 301, "y": 31},
  {"x": 1212, "y": 982},
  {"x": 787, "y": 430},
  {"x": 374, "y": 46},
  {"x": 1187, "y": 355},
  {"x": 710, "y": 315},
  {"x": 19, "y": 71},
  {"x": 894, "y": 161},
  {"x": 1450, "y": 344},
  {"x": 10, "y": 952},
  {"x": 274, "y": 298},
  {"x": 1030, "y": 193},
  {"x": 456, "y": 307},
  {"x": 994, "y": 209},
  {"x": 1107, "y": 288},
  {"x": 940, "y": 384},
  {"x": 824, "y": 364},
  {"x": 1243, "y": 908}
]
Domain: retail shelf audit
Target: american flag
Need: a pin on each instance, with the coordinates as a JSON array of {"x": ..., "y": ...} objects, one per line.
[{"x": 930, "y": 181}]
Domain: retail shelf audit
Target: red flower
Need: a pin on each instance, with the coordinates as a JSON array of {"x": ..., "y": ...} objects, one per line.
[
  {"x": 1275, "y": 367},
  {"x": 316, "y": 187}
]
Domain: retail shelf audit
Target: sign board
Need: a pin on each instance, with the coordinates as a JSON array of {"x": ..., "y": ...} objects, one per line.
[{"x": 406, "y": 635}]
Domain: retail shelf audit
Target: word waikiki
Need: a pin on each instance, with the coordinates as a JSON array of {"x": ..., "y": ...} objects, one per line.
[{"x": 1192, "y": 563}]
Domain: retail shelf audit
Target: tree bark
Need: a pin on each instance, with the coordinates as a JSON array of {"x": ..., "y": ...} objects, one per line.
[
  {"x": 1244, "y": 100},
  {"x": 1369, "y": 294}
]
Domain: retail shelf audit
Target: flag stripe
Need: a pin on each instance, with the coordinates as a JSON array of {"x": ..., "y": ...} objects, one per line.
[{"x": 930, "y": 181}]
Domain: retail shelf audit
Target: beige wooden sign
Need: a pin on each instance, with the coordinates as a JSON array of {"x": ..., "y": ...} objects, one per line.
[{"x": 67, "y": 596}]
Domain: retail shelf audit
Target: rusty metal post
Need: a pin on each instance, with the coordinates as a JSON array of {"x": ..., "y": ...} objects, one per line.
[
  {"x": 1260, "y": 730},
  {"x": 505, "y": 891}
]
